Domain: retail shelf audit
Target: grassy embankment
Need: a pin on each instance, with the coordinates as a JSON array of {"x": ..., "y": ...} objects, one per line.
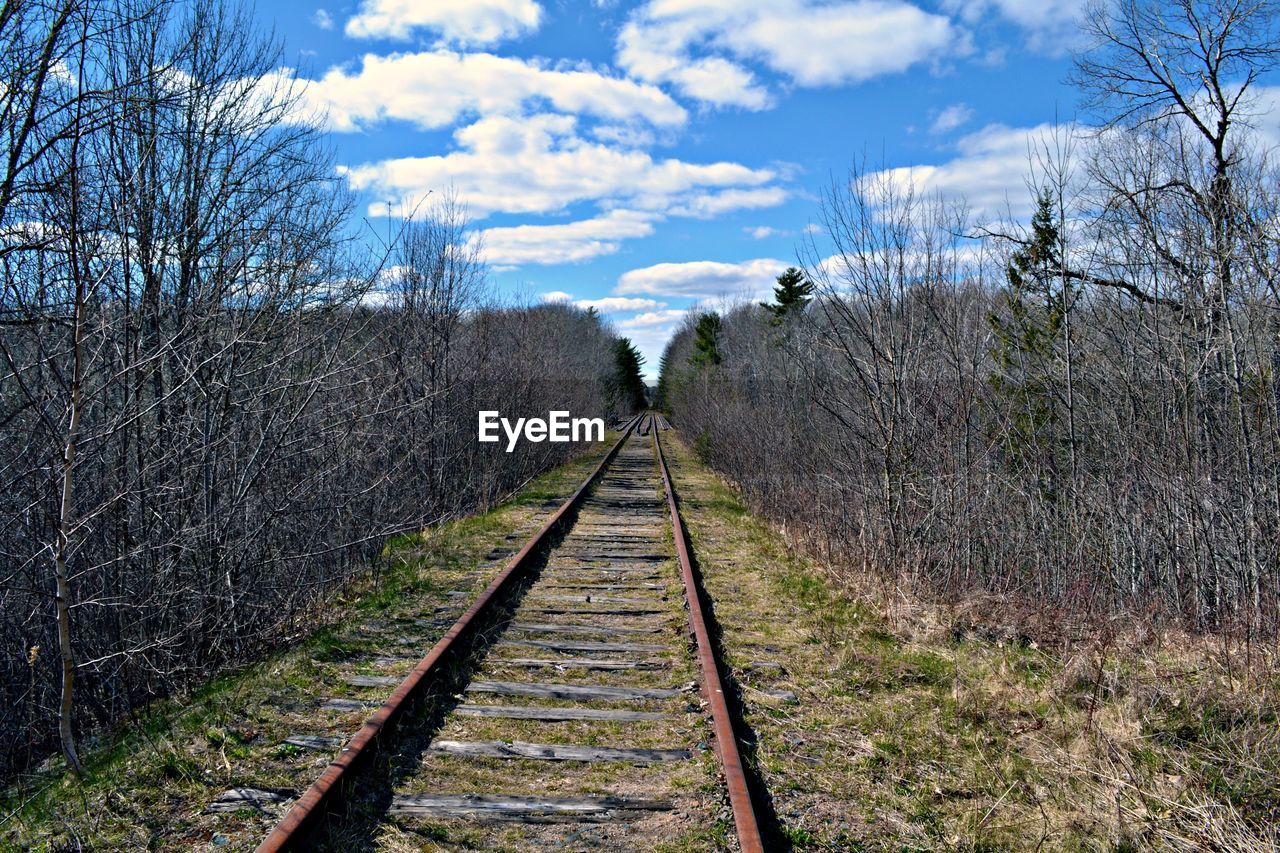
[{"x": 918, "y": 727}]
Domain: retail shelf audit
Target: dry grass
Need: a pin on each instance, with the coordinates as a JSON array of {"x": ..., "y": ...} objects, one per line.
[{"x": 974, "y": 727}]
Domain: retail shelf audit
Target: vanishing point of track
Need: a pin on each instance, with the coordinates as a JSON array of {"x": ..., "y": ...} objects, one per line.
[{"x": 578, "y": 634}]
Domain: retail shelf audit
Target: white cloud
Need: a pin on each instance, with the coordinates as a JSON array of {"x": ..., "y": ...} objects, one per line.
[
  {"x": 434, "y": 89},
  {"x": 763, "y": 232},
  {"x": 651, "y": 53},
  {"x": 1030, "y": 14},
  {"x": 700, "y": 46},
  {"x": 619, "y": 304},
  {"x": 711, "y": 205},
  {"x": 457, "y": 21},
  {"x": 989, "y": 172},
  {"x": 703, "y": 279},
  {"x": 322, "y": 19},
  {"x": 540, "y": 165},
  {"x": 992, "y": 166},
  {"x": 566, "y": 242},
  {"x": 652, "y": 318},
  {"x": 1050, "y": 24},
  {"x": 604, "y": 304},
  {"x": 954, "y": 116},
  {"x": 1264, "y": 115}
]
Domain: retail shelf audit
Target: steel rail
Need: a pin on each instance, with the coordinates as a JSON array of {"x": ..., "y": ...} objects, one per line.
[
  {"x": 292, "y": 830},
  {"x": 744, "y": 815}
]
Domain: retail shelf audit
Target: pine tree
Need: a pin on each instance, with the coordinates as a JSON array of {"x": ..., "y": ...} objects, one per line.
[
  {"x": 628, "y": 384},
  {"x": 706, "y": 341},
  {"x": 793, "y": 292},
  {"x": 1028, "y": 343},
  {"x": 661, "y": 400}
]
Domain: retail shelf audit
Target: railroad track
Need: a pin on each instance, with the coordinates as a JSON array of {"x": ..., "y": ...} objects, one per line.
[{"x": 577, "y": 703}]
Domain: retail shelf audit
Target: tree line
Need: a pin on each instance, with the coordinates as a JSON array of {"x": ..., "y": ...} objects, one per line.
[
  {"x": 1076, "y": 412},
  {"x": 217, "y": 401}
]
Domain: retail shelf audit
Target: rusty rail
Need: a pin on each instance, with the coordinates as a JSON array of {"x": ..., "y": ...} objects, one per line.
[
  {"x": 744, "y": 815},
  {"x": 327, "y": 790}
]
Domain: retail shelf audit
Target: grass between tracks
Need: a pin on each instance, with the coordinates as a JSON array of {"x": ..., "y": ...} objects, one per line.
[
  {"x": 918, "y": 728},
  {"x": 148, "y": 786}
]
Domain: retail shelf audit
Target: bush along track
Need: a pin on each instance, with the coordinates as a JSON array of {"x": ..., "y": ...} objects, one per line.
[
  {"x": 171, "y": 777},
  {"x": 882, "y": 723}
]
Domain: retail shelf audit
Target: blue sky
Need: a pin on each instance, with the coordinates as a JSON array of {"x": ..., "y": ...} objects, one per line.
[{"x": 645, "y": 156}]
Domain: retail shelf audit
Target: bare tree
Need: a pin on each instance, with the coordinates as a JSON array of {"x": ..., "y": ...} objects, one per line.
[
  {"x": 216, "y": 403},
  {"x": 1078, "y": 414}
]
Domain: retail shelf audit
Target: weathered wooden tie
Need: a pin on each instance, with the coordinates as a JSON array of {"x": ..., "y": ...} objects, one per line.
[
  {"x": 235, "y": 799},
  {"x": 573, "y": 691},
  {"x": 346, "y": 705},
  {"x": 568, "y": 628},
  {"x": 372, "y": 680},
  {"x": 581, "y": 663},
  {"x": 316, "y": 742},
  {"x": 549, "y": 713},
  {"x": 557, "y": 752},
  {"x": 583, "y": 646},
  {"x": 530, "y": 809}
]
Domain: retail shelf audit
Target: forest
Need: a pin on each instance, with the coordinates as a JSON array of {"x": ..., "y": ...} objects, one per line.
[
  {"x": 218, "y": 399},
  {"x": 1073, "y": 417}
]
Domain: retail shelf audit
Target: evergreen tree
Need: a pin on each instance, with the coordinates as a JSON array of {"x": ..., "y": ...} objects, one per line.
[
  {"x": 661, "y": 400},
  {"x": 706, "y": 341},
  {"x": 1028, "y": 342},
  {"x": 793, "y": 292},
  {"x": 628, "y": 384}
]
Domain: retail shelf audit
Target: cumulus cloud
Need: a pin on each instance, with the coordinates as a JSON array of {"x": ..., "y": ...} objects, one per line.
[
  {"x": 456, "y": 21},
  {"x": 712, "y": 204},
  {"x": 567, "y": 242},
  {"x": 702, "y": 47},
  {"x": 652, "y": 318},
  {"x": 703, "y": 279},
  {"x": 434, "y": 89},
  {"x": 763, "y": 232},
  {"x": 989, "y": 171},
  {"x": 539, "y": 164},
  {"x": 604, "y": 304},
  {"x": 649, "y": 54},
  {"x": 954, "y": 116},
  {"x": 322, "y": 19},
  {"x": 618, "y": 304},
  {"x": 991, "y": 167}
]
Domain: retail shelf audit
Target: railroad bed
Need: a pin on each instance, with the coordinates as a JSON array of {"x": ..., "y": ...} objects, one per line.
[{"x": 579, "y": 714}]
